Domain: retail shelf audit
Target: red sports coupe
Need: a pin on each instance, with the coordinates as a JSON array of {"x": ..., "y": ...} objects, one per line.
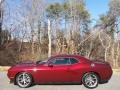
[{"x": 61, "y": 69}]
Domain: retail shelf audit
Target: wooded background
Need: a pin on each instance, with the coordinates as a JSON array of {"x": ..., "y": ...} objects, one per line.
[{"x": 34, "y": 30}]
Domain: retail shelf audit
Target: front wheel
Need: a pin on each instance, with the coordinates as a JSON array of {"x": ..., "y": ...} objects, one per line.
[
  {"x": 24, "y": 80},
  {"x": 90, "y": 80}
]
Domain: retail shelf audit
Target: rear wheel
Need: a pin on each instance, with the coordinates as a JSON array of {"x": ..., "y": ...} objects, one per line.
[
  {"x": 24, "y": 80},
  {"x": 90, "y": 80}
]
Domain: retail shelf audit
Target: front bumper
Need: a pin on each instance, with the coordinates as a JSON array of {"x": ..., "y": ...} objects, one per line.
[{"x": 10, "y": 75}]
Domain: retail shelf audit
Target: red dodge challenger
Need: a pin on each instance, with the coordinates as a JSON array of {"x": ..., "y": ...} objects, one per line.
[{"x": 61, "y": 69}]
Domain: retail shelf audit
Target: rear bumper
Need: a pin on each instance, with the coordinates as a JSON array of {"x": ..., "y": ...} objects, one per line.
[{"x": 106, "y": 75}]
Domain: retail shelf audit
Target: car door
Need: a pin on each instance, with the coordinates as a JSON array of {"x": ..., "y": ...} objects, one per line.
[
  {"x": 55, "y": 71},
  {"x": 60, "y": 70},
  {"x": 75, "y": 70}
]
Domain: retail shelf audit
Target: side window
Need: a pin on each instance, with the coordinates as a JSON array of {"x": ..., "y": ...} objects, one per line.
[
  {"x": 73, "y": 61},
  {"x": 60, "y": 61}
]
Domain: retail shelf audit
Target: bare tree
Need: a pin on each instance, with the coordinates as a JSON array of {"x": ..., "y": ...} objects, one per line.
[{"x": 105, "y": 41}]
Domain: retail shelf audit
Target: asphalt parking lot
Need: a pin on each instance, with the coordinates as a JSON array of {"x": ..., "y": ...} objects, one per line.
[{"x": 113, "y": 84}]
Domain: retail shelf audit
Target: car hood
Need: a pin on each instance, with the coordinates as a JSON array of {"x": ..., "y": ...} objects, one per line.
[{"x": 25, "y": 64}]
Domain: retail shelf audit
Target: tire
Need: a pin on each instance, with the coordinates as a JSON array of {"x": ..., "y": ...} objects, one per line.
[
  {"x": 90, "y": 80},
  {"x": 24, "y": 80}
]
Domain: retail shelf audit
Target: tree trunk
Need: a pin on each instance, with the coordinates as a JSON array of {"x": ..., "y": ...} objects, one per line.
[
  {"x": 112, "y": 51},
  {"x": 90, "y": 50},
  {"x": 1, "y": 19},
  {"x": 106, "y": 54},
  {"x": 49, "y": 38},
  {"x": 32, "y": 41},
  {"x": 117, "y": 54},
  {"x": 39, "y": 36}
]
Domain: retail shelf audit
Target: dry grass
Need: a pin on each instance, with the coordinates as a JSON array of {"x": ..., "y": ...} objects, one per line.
[
  {"x": 4, "y": 68},
  {"x": 116, "y": 69}
]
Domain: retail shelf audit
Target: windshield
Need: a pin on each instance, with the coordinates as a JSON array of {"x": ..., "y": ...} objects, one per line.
[{"x": 41, "y": 62}]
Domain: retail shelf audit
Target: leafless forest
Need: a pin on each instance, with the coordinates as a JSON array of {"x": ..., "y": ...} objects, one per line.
[{"x": 35, "y": 30}]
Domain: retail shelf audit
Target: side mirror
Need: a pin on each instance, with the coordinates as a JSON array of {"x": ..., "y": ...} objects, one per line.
[{"x": 50, "y": 65}]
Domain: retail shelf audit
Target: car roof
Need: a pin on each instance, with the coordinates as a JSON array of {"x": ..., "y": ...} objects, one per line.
[
  {"x": 73, "y": 56},
  {"x": 66, "y": 55}
]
